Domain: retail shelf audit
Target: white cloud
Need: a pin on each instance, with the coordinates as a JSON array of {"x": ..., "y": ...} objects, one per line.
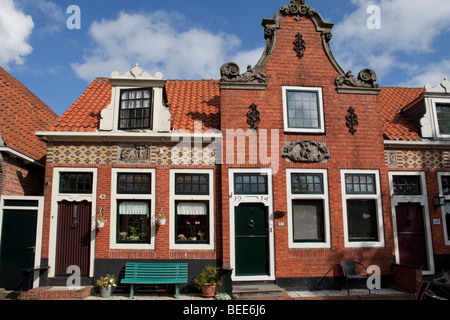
[
  {"x": 409, "y": 28},
  {"x": 15, "y": 29},
  {"x": 432, "y": 74},
  {"x": 160, "y": 42}
]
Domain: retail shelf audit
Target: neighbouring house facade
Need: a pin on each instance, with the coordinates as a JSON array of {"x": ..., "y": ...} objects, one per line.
[
  {"x": 277, "y": 173},
  {"x": 22, "y": 170}
]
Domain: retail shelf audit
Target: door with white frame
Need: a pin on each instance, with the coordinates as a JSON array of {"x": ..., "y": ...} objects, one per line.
[
  {"x": 444, "y": 190},
  {"x": 251, "y": 224},
  {"x": 411, "y": 220}
]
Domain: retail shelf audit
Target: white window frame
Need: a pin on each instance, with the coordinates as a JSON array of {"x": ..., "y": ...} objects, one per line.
[
  {"x": 126, "y": 196},
  {"x": 379, "y": 208},
  {"x": 443, "y": 209},
  {"x": 175, "y": 197},
  {"x": 78, "y": 197},
  {"x": 436, "y": 119},
  {"x": 326, "y": 208},
  {"x": 318, "y": 90}
]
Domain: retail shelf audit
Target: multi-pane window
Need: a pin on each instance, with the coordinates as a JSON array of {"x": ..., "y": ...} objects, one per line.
[
  {"x": 443, "y": 117},
  {"x": 360, "y": 183},
  {"x": 362, "y": 208},
  {"x": 192, "y": 184},
  {"x": 133, "y": 183},
  {"x": 307, "y": 183},
  {"x": 192, "y": 208},
  {"x": 407, "y": 185},
  {"x": 133, "y": 205},
  {"x": 308, "y": 208},
  {"x": 250, "y": 183},
  {"x": 135, "y": 110},
  {"x": 303, "y": 109},
  {"x": 75, "y": 182}
]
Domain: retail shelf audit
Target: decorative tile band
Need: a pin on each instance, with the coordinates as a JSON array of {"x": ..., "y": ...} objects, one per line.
[
  {"x": 81, "y": 154},
  {"x": 145, "y": 154},
  {"x": 410, "y": 159}
]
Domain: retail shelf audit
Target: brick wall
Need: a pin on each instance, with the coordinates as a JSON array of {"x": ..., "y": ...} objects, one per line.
[
  {"x": 364, "y": 150},
  {"x": 20, "y": 179},
  {"x": 162, "y": 198}
]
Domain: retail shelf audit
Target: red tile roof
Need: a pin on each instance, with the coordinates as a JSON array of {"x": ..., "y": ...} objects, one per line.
[
  {"x": 397, "y": 126},
  {"x": 84, "y": 114},
  {"x": 192, "y": 101},
  {"x": 21, "y": 114},
  {"x": 189, "y": 101}
]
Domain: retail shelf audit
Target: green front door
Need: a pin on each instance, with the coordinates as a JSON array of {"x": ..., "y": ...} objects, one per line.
[
  {"x": 17, "y": 246},
  {"x": 251, "y": 240}
]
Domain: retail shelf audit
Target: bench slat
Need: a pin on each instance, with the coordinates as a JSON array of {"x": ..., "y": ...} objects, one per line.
[{"x": 155, "y": 273}]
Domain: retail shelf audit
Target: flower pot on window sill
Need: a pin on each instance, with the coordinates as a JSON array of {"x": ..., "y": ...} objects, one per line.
[
  {"x": 161, "y": 222},
  {"x": 100, "y": 224}
]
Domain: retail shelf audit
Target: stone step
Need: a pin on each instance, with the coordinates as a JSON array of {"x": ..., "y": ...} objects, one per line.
[{"x": 255, "y": 291}]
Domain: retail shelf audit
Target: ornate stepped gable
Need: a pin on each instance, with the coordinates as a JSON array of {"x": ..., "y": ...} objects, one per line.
[{"x": 345, "y": 82}]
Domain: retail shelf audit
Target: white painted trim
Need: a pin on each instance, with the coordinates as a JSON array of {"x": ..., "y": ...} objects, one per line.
[
  {"x": 39, "y": 224},
  {"x": 56, "y": 197},
  {"x": 326, "y": 208},
  {"x": 210, "y": 197},
  {"x": 113, "y": 213},
  {"x": 267, "y": 200},
  {"x": 444, "y": 208},
  {"x": 135, "y": 135},
  {"x": 376, "y": 196},
  {"x": 320, "y": 109},
  {"x": 423, "y": 200},
  {"x": 429, "y": 144},
  {"x": 435, "y": 101},
  {"x": 24, "y": 157}
]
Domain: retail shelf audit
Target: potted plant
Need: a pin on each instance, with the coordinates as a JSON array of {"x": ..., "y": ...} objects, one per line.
[
  {"x": 100, "y": 220},
  {"x": 208, "y": 280},
  {"x": 134, "y": 233},
  {"x": 105, "y": 284},
  {"x": 161, "y": 219}
]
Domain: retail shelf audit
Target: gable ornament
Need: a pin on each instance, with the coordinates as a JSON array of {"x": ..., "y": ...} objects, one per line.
[{"x": 305, "y": 151}]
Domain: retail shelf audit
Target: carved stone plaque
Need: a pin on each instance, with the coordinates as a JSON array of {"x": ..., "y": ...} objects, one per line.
[{"x": 305, "y": 151}]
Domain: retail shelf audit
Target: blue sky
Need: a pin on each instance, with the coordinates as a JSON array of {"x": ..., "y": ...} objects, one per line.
[{"x": 192, "y": 39}]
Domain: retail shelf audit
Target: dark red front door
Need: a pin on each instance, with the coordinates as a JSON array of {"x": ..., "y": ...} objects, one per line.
[
  {"x": 74, "y": 237},
  {"x": 411, "y": 235}
]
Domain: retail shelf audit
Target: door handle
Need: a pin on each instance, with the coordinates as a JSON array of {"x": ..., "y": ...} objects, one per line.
[{"x": 32, "y": 248}]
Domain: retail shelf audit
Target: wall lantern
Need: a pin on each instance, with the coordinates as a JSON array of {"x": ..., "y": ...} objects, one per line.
[
  {"x": 280, "y": 213},
  {"x": 439, "y": 200}
]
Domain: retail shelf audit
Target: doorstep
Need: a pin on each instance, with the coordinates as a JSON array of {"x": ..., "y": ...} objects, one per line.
[{"x": 57, "y": 293}]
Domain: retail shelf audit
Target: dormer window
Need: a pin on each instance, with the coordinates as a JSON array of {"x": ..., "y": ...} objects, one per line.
[
  {"x": 138, "y": 102},
  {"x": 433, "y": 111},
  {"x": 135, "y": 109},
  {"x": 443, "y": 118}
]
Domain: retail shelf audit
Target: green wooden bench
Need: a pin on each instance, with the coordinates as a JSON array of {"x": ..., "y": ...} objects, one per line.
[{"x": 155, "y": 273}]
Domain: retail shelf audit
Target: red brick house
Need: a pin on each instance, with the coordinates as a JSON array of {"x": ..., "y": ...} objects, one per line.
[
  {"x": 22, "y": 169},
  {"x": 277, "y": 173}
]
